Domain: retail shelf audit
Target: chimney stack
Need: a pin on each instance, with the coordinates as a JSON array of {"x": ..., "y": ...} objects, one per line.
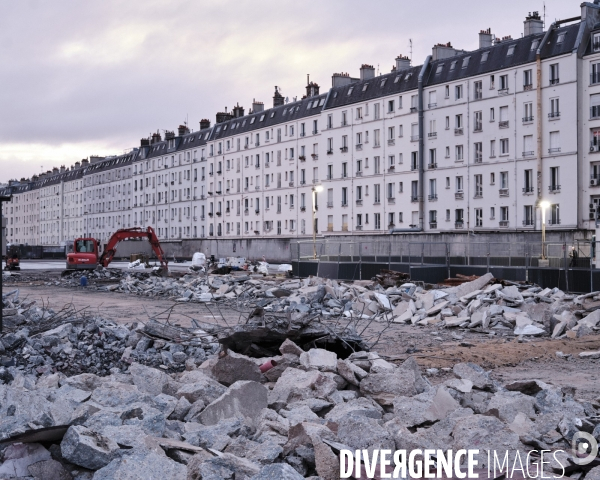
[
  {"x": 238, "y": 111},
  {"x": 257, "y": 106},
  {"x": 85, "y": 162},
  {"x": 278, "y": 99},
  {"x": 223, "y": 116},
  {"x": 77, "y": 165},
  {"x": 312, "y": 89},
  {"x": 533, "y": 24},
  {"x": 402, "y": 63},
  {"x": 341, "y": 79},
  {"x": 169, "y": 135},
  {"x": 62, "y": 169},
  {"x": 204, "y": 124},
  {"x": 144, "y": 142},
  {"x": 156, "y": 138},
  {"x": 485, "y": 38},
  {"x": 54, "y": 170},
  {"x": 367, "y": 72},
  {"x": 441, "y": 51},
  {"x": 182, "y": 130}
]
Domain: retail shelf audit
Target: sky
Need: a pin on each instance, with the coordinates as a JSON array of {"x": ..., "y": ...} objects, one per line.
[{"x": 92, "y": 78}]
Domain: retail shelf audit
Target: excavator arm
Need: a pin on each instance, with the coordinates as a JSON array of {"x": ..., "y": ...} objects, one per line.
[{"x": 125, "y": 233}]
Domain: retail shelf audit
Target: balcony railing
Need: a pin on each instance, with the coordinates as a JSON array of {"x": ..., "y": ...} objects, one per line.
[
  {"x": 414, "y": 198},
  {"x": 391, "y": 142},
  {"x": 503, "y": 223},
  {"x": 433, "y": 225},
  {"x": 554, "y": 150},
  {"x": 432, "y": 105},
  {"x": 527, "y": 190},
  {"x": 503, "y": 91},
  {"x": 595, "y": 111},
  {"x": 329, "y": 204},
  {"x": 359, "y": 201},
  {"x": 459, "y": 195},
  {"x": 527, "y": 87},
  {"x": 554, "y": 115},
  {"x": 431, "y": 166},
  {"x": 458, "y": 131},
  {"x": 414, "y": 138},
  {"x": 504, "y": 192},
  {"x": 343, "y": 149},
  {"x": 460, "y": 224},
  {"x": 554, "y": 81},
  {"x": 528, "y": 222},
  {"x": 554, "y": 188},
  {"x": 432, "y": 135},
  {"x": 432, "y": 198},
  {"x": 529, "y": 154},
  {"x": 528, "y": 119},
  {"x": 503, "y": 124}
]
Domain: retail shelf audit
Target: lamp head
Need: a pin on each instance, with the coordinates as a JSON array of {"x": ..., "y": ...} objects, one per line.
[
  {"x": 319, "y": 188},
  {"x": 544, "y": 204}
]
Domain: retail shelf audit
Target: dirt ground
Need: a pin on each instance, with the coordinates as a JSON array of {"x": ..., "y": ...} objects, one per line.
[{"x": 432, "y": 347}]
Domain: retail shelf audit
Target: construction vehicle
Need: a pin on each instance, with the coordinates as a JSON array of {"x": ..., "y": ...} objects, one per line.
[
  {"x": 86, "y": 251},
  {"x": 13, "y": 262}
]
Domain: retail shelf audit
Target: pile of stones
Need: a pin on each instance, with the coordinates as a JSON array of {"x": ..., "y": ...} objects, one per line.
[{"x": 228, "y": 420}]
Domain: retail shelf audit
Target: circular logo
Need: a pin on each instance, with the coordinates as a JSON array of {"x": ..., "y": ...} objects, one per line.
[{"x": 584, "y": 448}]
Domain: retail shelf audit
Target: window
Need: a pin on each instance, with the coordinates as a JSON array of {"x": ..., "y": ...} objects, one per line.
[
  {"x": 377, "y": 221},
  {"x": 528, "y": 112},
  {"x": 528, "y": 149},
  {"x": 359, "y": 220},
  {"x": 459, "y": 217},
  {"x": 391, "y": 133},
  {"x": 458, "y": 122},
  {"x": 511, "y": 51},
  {"x": 465, "y": 62},
  {"x": 344, "y": 169},
  {"x": 479, "y": 217},
  {"x": 447, "y": 152},
  {"x": 528, "y": 215},
  {"x": 432, "y": 158},
  {"x": 447, "y": 91},
  {"x": 390, "y": 106},
  {"x": 554, "y": 179},
  {"x": 492, "y": 148},
  {"x": 390, "y": 191},
  {"x": 554, "y": 74},
  {"x": 478, "y": 121},
  {"x": 376, "y": 108},
  {"x": 344, "y": 196},
  {"x": 359, "y": 113},
  {"x": 527, "y": 79},
  {"x": 492, "y": 114},
  {"x": 433, "y": 218},
  {"x": 503, "y": 83},
  {"x": 595, "y": 106},
  {"x": 376, "y": 138},
  {"x": 492, "y": 178},
  {"x": 554, "y": 108},
  {"x": 433, "y": 99},
  {"x": 359, "y": 193},
  {"x": 478, "y": 90},
  {"x": 554, "y": 142},
  {"x": 503, "y": 180},
  {"x": 459, "y": 153},
  {"x": 504, "y": 146},
  {"x": 414, "y": 191},
  {"x": 414, "y": 160},
  {"x": 432, "y": 189},
  {"x": 458, "y": 92},
  {"x": 492, "y": 213},
  {"x": 459, "y": 184},
  {"x": 448, "y": 215},
  {"x": 596, "y": 42},
  {"x": 492, "y": 82},
  {"x": 478, "y": 148},
  {"x": 377, "y": 165},
  {"x": 414, "y": 102},
  {"x": 504, "y": 214},
  {"x": 528, "y": 181},
  {"x": 484, "y": 56},
  {"x": 554, "y": 214},
  {"x": 377, "y": 193},
  {"x": 391, "y": 161},
  {"x": 330, "y": 121}
]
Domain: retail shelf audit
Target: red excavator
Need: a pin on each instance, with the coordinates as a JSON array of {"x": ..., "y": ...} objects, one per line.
[{"x": 85, "y": 250}]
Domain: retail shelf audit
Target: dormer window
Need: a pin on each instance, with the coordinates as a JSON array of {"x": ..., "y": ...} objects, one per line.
[
  {"x": 439, "y": 69},
  {"x": 484, "y": 57},
  {"x": 453, "y": 65},
  {"x": 365, "y": 86},
  {"x": 534, "y": 45},
  {"x": 262, "y": 117},
  {"x": 561, "y": 37},
  {"x": 383, "y": 82},
  {"x": 596, "y": 42},
  {"x": 511, "y": 50},
  {"x": 465, "y": 63},
  {"x": 397, "y": 79},
  {"x": 350, "y": 90}
]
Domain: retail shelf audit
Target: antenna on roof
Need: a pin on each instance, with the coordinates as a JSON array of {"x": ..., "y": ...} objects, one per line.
[
  {"x": 544, "y": 27},
  {"x": 410, "y": 45}
]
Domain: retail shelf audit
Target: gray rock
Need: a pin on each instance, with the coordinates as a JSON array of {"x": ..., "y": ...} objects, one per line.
[
  {"x": 18, "y": 457},
  {"x": 113, "y": 394},
  {"x": 319, "y": 359},
  {"x": 593, "y": 474},
  {"x": 243, "y": 399},
  {"x": 360, "y": 406},
  {"x": 203, "y": 388},
  {"x": 142, "y": 464},
  {"x": 233, "y": 367},
  {"x": 277, "y": 471},
  {"x": 49, "y": 470},
  {"x": 363, "y": 433},
  {"x": 181, "y": 409},
  {"x": 506, "y": 405},
  {"x": 295, "y": 385},
  {"x": 477, "y": 375},
  {"x": 87, "y": 449}
]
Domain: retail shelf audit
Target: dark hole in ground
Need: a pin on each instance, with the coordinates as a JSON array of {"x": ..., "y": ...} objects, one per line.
[{"x": 265, "y": 342}]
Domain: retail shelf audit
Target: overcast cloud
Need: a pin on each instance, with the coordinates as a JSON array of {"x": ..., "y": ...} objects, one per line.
[{"x": 81, "y": 78}]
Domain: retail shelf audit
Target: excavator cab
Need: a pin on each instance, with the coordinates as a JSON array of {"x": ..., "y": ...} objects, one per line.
[
  {"x": 13, "y": 261},
  {"x": 84, "y": 255}
]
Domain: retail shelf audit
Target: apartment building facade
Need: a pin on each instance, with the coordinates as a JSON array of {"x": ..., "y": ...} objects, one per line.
[{"x": 468, "y": 141}]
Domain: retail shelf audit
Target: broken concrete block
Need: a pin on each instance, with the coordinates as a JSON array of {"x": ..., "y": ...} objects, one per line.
[
  {"x": 18, "y": 457},
  {"x": 233, "y": 367},
  {"x": 152, "y": 380},
  {"x": 475, "y": 374},
  {"x": 87, "y": 449},
  {"x": 203, "y": 388},
  {"x": 290, "y": 347},
  {"x": 320, "y": 359},
  {"x": 437, "y": 308},
  {"x": 243, "y": 399},
  {"x": 590, "y": 354},
  {"x": 295, "y": 385},
  {"x": 146, "y": 464},
  {"x": 529, "y": 330}
]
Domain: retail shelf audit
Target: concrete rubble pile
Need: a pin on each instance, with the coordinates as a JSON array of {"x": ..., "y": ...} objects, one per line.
[
  {"x": 227, "y": 419},
  {"x": 485, "y": 306}
]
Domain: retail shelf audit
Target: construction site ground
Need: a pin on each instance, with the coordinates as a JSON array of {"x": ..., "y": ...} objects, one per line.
[{"x": 438, "y": 348}]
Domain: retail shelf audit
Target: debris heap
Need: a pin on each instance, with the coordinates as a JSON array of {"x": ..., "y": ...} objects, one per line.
[{"x": 232, "y": 419}]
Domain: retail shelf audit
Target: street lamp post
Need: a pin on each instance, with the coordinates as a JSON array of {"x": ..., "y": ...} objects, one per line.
[
  {"x": 315, "y": 190},
  {"x": 544, "y": 205}
]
